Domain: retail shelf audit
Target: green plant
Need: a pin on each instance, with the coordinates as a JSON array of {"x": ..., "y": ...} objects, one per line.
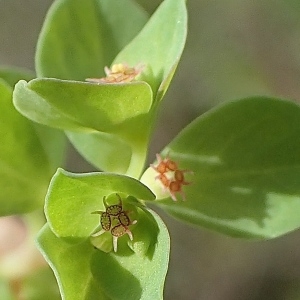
[{"x": 233, "y": 169}]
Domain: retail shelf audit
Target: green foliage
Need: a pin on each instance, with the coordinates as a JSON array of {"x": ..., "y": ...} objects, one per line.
[
  {"x": 79, "y": 38},
  {"x": 233, "y": 170},
  {"x": 159, "y": 45},
  {"x": 72, "y": 198},
  {"x": 246, "y": 176},
  {"x": 66, "y": 259},
  {"x": 60, "y": 103},
  {"x": 107, "y": 276},
  {"x": 24, "y": 170},
  {"x": 115, "y": 116},
  {"x": 28, "y": 153}
]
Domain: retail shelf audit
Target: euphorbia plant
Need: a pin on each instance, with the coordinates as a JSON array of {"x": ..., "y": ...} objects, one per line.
[{"x": 101, "y": 76}]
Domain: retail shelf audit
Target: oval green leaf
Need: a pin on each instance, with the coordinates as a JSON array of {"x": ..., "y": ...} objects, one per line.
[
  {"x": 24, "y": 166},
  {"x": 159, "y": 45},
  {"x": 72, "y": 198},
  {"x": 245, "y": 156},
  {"x": 78, "y": 105},
  {"x": 79, "y": 38},
  {"x": 71, "y": 266},
  {"x": 119, "y": 108},
  {"x": 53, "y": 141}
]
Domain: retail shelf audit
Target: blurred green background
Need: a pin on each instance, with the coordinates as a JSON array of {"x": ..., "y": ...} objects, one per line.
[{"x": 235, "y": 49}]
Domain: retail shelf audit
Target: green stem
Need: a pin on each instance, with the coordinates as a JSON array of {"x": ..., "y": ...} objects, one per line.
[{"x": 137, "y": 162}]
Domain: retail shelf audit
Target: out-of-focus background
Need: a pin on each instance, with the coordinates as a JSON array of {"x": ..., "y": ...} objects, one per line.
[{"x": 235, "y": 49}]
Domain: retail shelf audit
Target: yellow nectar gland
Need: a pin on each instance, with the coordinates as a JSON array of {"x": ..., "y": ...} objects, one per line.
[
  {"x": 119, "y": 73},
  {"x": 170, "y": 176},
  {"x": 115, "y": 220}
]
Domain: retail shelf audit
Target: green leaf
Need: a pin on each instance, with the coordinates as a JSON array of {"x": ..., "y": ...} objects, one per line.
[
  {"x": 118, "y": 109},
  {"x": 71, "y": 266},
  {"x": 115, "y": 153},
  {"x": 245, "y": 156},
  {"x": 127, "y": 146},
  {"x": 159, "y": 45},
  {"x": 78, "y": 105},
  {"x": 72, "y": 198},
  {"x": 81, "y": 62},
  {"x": 12, "y": 74},
  {"x": 133, "y": 276},
  {"x": 24, "y": 167},
  {"x": 53, "y": 141},
  {"x": 84, "y": 272},
  {"x": 79, "y": 38},
  {"x": 54, "y": 145}
]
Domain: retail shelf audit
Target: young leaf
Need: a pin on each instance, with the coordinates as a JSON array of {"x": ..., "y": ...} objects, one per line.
[
  {"x": 79, "y": 38},
  {"x": 159, "y": 45},
  {"x": 80, "y": 106},
  {"x": 71, "y": 266},
  {"x": 25, "y": 170},
  {"x": 245, "y": 156},
  {"x": 72, "y": 198},
  {"x": 119, "y": 110}
]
